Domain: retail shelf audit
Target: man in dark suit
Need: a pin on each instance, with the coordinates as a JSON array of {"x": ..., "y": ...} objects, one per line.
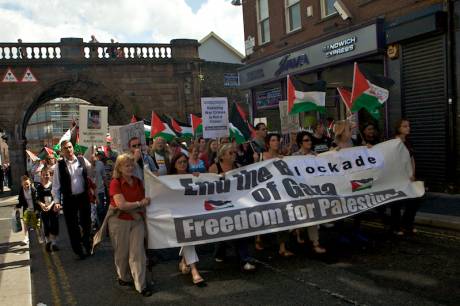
[{"x": 70, "y": 191}]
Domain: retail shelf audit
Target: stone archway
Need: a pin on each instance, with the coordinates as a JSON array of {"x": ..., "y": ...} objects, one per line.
[{"x": 83, "y": 88}]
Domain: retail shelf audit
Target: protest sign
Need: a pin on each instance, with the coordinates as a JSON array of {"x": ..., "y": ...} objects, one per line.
[
  {"x": 289, "y": 123},
  {"x": 114, "y": 131},
  {"x": 123, "y": 133},
  {"x": 215, "y": 117},
  {"x": 93, "y": 125},
  {"x": 277, "y": 195}
]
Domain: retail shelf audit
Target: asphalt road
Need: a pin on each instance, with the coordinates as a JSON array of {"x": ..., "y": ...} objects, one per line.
[{"x": 419, "y": 270}]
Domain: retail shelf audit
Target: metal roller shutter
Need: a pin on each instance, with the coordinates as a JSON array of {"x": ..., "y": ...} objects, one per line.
[{"x": 424, "y": 97}]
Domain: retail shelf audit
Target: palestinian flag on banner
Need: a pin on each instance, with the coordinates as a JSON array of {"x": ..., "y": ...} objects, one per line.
[
  {"x": 238, "y": 120},
  {"x": 305, "y": 97},
  {"x": 45, "y": 152},
  {"x": 197, "y": 125},
  {"x": 369, "y": 92},
  {"x": 161, "y": 129},
  {"x": 345, "y": 95},
  {"x": 236, "y": 134},
  {"x": 358, "y": 185}
]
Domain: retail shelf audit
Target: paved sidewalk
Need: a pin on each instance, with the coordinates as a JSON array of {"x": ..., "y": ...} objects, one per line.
[
  {"x": 440, "y": 210},
  {"x": 15, "y": 281}
]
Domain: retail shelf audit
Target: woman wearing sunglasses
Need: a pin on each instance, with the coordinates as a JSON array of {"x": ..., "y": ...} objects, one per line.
[{"x": 304, "y": 142}]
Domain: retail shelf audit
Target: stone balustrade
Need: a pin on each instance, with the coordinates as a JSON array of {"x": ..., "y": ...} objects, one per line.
[{"x": 75, "y": 49}]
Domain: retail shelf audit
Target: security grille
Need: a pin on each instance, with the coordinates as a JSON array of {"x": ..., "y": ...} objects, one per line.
[{"x": 424, "y": 100}]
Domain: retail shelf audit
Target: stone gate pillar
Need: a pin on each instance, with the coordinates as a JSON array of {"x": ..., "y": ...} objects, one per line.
[{"x": 17, "y": 151}]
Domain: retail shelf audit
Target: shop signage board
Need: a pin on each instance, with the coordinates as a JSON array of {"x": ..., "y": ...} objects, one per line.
[
  {"x": 340, "y": 48},
  {"x": 268, "y": 98}
]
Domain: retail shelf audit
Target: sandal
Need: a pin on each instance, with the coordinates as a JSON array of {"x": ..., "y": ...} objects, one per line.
[
  {"x": 286, "y": 254},
  {"x": 259, "y": 245},
  {"x": 199, "y": 282},
  {"x": 183, "y": 268},
  {"x": 318, "y": 249}
]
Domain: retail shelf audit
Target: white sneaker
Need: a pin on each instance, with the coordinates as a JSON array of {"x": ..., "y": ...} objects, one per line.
[{"x": 249, "y": 267}]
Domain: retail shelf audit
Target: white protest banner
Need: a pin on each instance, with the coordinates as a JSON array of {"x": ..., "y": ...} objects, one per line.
[
  {"x": 277, "y": 195},
  {"x": 114, "y": 131},
  {"x": 129, "y": 131},
  {"x": 93, "y": 125},
  {"x": 215, "y": 117},
  {"x": 289, "y": 123}
]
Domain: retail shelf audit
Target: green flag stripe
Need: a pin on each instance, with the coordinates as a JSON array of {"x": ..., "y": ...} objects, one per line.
[{"x": 306, "y": 107}]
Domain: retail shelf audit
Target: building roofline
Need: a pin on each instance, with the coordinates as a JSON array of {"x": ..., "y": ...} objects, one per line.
[{"x": 223, "y": 42}]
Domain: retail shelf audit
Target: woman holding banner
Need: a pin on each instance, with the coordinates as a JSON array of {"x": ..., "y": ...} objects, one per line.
[
  {"x": 180, "y": 165},
  {"x": 304, "y": 142},
  {"x": 406, "y": 224},
  {"x": 342, "y": 140},
  {"x": 273, "y": 145},
  {"x": 127, "y": 226},
  {"x": 226, "y": 162}
]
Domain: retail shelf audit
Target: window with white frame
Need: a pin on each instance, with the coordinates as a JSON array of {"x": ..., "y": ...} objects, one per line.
[
  {"x": 292, "y": 15},
  {"x": 263, "y": 21},
  {"x": 327, "y": 8}
]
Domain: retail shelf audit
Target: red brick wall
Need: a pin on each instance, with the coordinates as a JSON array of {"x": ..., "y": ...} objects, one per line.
[{"x": 314, "y": 27}]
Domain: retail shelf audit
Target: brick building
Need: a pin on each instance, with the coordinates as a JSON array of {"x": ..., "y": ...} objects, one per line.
[{"x": 412, "y": 42}]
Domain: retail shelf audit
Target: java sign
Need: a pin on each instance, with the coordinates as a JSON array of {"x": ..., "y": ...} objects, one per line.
[{"x": 277, "y": 195}]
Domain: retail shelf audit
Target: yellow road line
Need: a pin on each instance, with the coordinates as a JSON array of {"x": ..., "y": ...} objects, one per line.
[
  {"x": 70, "y": 299},
  {"x": 52, "y": 279}
]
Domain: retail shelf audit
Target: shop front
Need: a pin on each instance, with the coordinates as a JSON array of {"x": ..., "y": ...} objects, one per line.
[{"x": 330, "y": 59}]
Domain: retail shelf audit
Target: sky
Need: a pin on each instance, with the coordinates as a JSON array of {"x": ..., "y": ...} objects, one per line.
[{"x": 127, "y": 21}]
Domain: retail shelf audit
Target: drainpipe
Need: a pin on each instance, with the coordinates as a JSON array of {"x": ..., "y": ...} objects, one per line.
[{"x": 451, "y": 93}]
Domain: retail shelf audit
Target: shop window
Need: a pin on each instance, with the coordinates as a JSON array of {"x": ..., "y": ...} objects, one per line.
[
  {"x": 293, "y": 20},
  {"x": 263, "y": 21},
  {"x": 327, "y": 8}
]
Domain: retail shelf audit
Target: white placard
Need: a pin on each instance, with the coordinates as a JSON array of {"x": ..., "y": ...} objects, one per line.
[
  {"x": 215, "y": 117},
  {"x": 260, "y": 120},
  {"x": 129, "y": 131},
  {"x": 289, "y": 123},
  {"x": 93, "y": 125}
]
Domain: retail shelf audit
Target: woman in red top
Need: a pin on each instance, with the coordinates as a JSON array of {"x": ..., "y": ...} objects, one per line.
[{"x": 127, "y": 228}]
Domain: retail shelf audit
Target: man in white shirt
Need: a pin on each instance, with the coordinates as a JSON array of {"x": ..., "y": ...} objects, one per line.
[{"x": 70, "y": 191}]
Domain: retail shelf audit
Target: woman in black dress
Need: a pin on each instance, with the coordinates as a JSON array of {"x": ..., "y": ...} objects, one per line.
[{"x": 50, "y": 216}]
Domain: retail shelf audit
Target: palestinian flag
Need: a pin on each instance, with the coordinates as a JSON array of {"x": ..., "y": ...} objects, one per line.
[
  {"x": 305, "y": 97},
  {"x": 134, "y": 119},
  {"x": 238, "y": 120},
  {"x": 161, "y": 129},
  {"x": 79, "y": 149},
  {"x": 358, "y": 185},
  {"x": 216, "y": 204},
  {"x": 32, "y": 156},
  {"x": 368, "y": 94},
  {"x": 345, "y": 95},
  {"x": 182, "y": 129},
  {"x": 197, "y": 125},
  {"x": 45, "y": 152},
  {"x": 236, "y": 134},
  {"x": 147, "y": 129}
]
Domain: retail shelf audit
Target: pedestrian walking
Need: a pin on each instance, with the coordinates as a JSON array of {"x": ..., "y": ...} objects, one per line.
[
  {"x": 225, "y": 162},
  {"x": 303, "y": 141},
  {"x": 70, "y": 192},
  {"x": 127, "y": 226},
  {"x": 405, "y": 225},
  {"x": 50, "y": 217},
  {"x": 189, "y": 258},
  {"x": 30, "y": 208}
]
